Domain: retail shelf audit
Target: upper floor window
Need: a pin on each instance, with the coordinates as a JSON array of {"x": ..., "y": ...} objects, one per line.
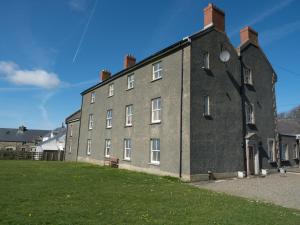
[
  {"x": 271, "y": 150},
  {"x": 107, "y": 148},
  {"x": 129, "y": 114},
  {"x": 284, "y": 152},
  {"x": 110, "y": 90},
  {"x": 206, "y": 60},
  {"x": 127, "y": 149},
  {"x": 109, "y": 118},
  {"x": 247, "y": 75},
  {"x": 156, "y": 110},
  {"x": 71, "y": 130},
  {"x": 93, "y": 97},
  {"x": 250, "y": 113},
  {"x": 155, "y": 151},
  {"x": 157, "y": 71},
  {"x": 70, "y": 147},
  {"x": 296, "y": 151},
  {"x": 206, "y": 106},
  {"x": 89, "y": 147},
  {"x": 91, "y": 121},
  {"x": 130, "y": 81}
]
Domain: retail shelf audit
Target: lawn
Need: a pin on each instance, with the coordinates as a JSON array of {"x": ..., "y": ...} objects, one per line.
[{"x": 38, "y": 193}]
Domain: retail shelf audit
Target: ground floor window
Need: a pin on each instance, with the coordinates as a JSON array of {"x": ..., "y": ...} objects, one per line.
[
  {"x": 284, "y": 152},
  {"x": 271, "y": 150},
  {"x": 107, "y": 148},
  {"x": 155, "y": 151},
  {"x": 89, "y": 147},
  {"x": 296, "y": 151},
  {"x": 127, "y": 149}
]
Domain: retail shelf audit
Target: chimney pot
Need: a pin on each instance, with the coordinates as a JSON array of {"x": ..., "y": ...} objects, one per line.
[
  {"x": 129, "y": 61},
  {"x": 248, "y": 34},
  {"x": 214, "y": 16},
  {"x": 104, "y": 75}
]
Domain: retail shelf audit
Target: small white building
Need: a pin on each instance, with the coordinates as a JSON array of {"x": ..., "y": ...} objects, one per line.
[{"x": 53, "y": 141}]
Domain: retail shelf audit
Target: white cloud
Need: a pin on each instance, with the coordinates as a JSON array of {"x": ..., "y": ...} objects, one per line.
[
  {"x": 78, "y": 5},
  {"x": 36, "y": 77}
]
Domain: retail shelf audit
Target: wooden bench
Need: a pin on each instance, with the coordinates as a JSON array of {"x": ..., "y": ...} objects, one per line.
[{"x": 112, "y": 162}]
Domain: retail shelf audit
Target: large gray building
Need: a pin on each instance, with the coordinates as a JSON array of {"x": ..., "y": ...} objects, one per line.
[{"x": 199, "y": 107}]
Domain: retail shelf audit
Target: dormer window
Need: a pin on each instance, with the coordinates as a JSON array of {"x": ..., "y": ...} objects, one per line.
[
  {"x": 250, "y": 113},
  {"x": 247, "y": 75}
]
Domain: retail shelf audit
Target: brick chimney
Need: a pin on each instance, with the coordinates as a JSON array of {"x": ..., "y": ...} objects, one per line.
[
  {"x": 214, "y": 16},
  {"x": 248, "y": 34},
  {"x": 129, "y": 61},
  {"x": 104, "y": 75}
]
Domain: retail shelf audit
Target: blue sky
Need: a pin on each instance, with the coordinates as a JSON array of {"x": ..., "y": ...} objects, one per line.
[{"x": 53, "y": 50}]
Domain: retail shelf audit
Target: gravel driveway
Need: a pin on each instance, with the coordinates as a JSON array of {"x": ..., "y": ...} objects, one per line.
[{"x": 280, "y": 190}]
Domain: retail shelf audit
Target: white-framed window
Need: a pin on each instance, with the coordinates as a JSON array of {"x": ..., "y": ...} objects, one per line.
[
  {"x": 206, "y": 60},
  {"x": 110, "y": 90},
  {"x": 89, "y": 147},
  {"x": 91, "y": 121},
  {"x": 93, "y": 97},
  {"x": 284, "y": 152},
  {"x": 109, "y": 118},
  {"x": 107, "y": 148},
  {"x": 157, "y": 71},
  {"x": 155, "y": 151},
  {"x": 71, "y": 130},
  {"x": 250, "y": 113},
  {"x": 271, "y": 150},
  {"x": 156, "y": 110},
  {"x": 127, "y": 149},
  {"x": 296, "y": 151},
  {"x": 129, "y": 115},
  {"x": 206, "y": 105},
  {"x": 247, "y": 75},
  {"x": 130, "y": 81},
  {"x": 70, "y": 147}
]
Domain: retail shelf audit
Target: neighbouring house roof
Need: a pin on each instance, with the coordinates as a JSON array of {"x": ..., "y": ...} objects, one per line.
[
  {"x": 73, "y": 117},
  {"x": 54, "y": 142},
  {"x": 172, "y": 48},
  {"x": 288, "y": 126},
  {"x": 21, "y": 134}
]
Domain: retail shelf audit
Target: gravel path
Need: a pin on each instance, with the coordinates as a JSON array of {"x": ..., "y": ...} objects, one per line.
[{"x": 280, "y": 190}]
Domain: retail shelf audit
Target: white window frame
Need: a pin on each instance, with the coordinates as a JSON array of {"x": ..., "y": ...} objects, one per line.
[
  {"x": 206, "y": 105},
  {"x": 157, "y": 72},
  {"x": 155, "y": 148},
  {"x": 156, "y": 110},
  {"x": 130, "y": 81},
  {"x": 93, "y": 97},
  {"x": 111, "y": 90},
  {"x": 89, "y": 147},
  {"x": 284, "y": 152},
  {"x": 91, "y": 121},
  {"x": 271, "y": 150},
  {"x": 109, "y": 118},
  {"x": 128, "y": 115},
  {"x": 127, "y": 148},
  {"x": 70, "y": 147},
  {"x": 250, "y": 116},
  {"x": 248, "y": 79},
  {"x": 206, "y": 63},
  {"x": 296, "y": 151},
  {"x": 107, "y": 149}
]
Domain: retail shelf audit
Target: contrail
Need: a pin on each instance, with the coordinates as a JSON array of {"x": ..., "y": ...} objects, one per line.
[{"x": 85, "y": 30}]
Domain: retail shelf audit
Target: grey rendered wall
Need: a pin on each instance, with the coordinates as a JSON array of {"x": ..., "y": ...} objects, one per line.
[
  {"x": 261, "y": 95},
  {"x": 72, "y": 140},
  {"x": 291, "y": 142},
  {"x": 168, "y": 88},
  {"x": 216, "y": 142}
]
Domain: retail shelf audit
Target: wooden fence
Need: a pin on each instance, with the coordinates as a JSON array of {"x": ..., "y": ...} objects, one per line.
[{"x": 21, "y": 155}]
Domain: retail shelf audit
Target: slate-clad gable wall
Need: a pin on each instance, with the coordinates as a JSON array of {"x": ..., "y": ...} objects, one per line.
[{"x": 216, "y": 141}]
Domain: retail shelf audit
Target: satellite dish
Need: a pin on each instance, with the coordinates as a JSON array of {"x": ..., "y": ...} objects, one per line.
[{"x": 224, "y": 56}]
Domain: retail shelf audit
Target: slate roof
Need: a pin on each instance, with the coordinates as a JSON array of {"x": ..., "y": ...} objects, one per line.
[
  {"x": 75, "y": 116},
  {"x": 18, "y": 135},
  {"x": 288, "y": 126}
]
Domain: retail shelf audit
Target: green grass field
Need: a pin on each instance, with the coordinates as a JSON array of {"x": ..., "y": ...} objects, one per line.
[{"x": 66, "y": 193}]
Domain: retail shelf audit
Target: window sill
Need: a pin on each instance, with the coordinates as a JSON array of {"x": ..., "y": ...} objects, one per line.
[
  {"x": 154, "y": 164},
  {"x": 128, "y": 89},
  {"x": 126, "y": 160},
  {"x": 92, "y": 103},
  {"x": 126, "y": 126},
  {"x": 154, "y": 123},
  {"x": 108, "y": 127},
  {"x": 156, "y": 79},
  {"x": 90, "y": 128},
  {"x": 110, "y": 96},
  {"x": 206, "y": 68}
]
